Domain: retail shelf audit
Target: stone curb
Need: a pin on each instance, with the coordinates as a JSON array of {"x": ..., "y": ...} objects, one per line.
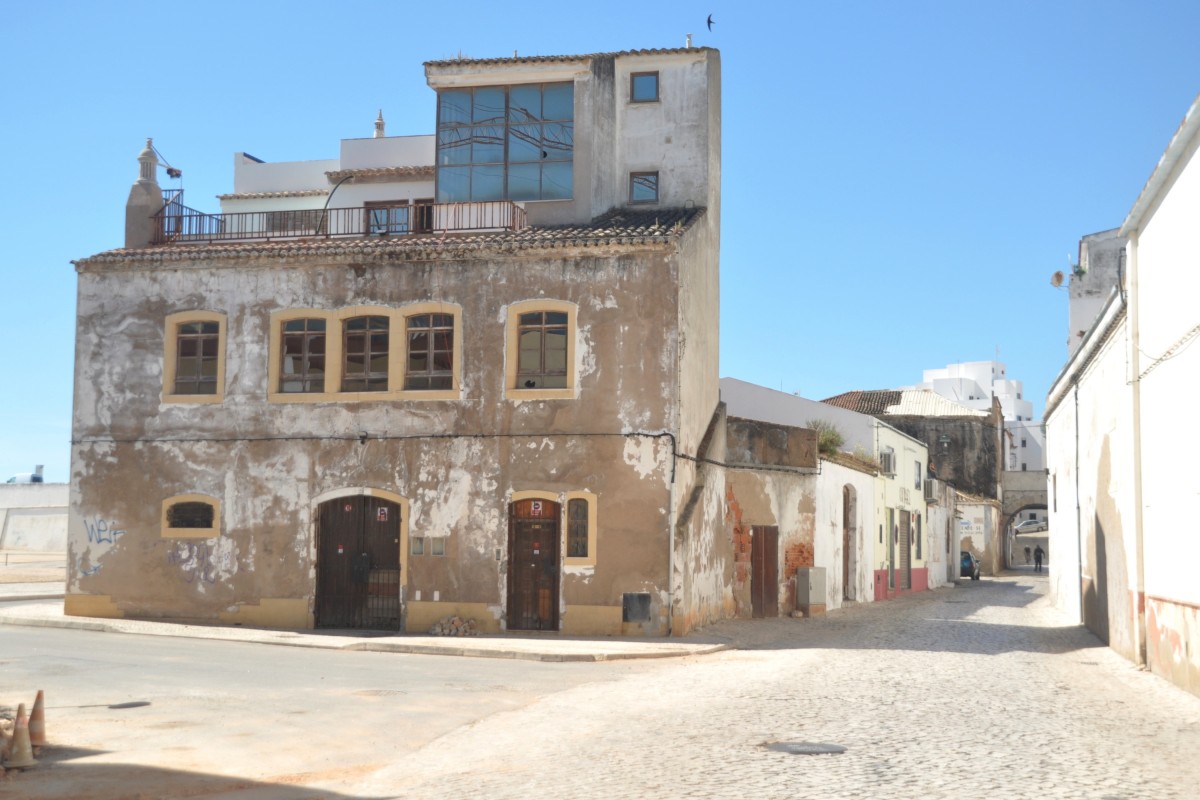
[{"x": 500, "y": 650}]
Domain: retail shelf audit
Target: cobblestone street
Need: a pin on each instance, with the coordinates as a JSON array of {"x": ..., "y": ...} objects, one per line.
[{"x": 977, "y": 691}]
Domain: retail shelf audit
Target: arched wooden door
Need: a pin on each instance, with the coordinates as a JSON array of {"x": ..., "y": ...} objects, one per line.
[
  {"x": 358, "y": 564},
  {"x": 533, "y": 561}
]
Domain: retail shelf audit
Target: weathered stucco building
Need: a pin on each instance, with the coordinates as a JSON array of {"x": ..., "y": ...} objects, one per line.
[
  {"x": 1124, "y": 557},
  {"x": 470, "y": 374}
]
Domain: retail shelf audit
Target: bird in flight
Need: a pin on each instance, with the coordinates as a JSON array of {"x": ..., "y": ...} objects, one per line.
[{"x": 710, "y": 22}]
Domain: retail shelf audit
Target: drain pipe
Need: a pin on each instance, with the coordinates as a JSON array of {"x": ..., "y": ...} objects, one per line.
[{"x": 1078, "y": 506}]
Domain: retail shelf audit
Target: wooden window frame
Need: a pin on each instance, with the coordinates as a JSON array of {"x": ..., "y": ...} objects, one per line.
[
  {"x": 280, "y": 377},
  {"x": 429, "y": 351},
  {"x": 512, "y": 382},
  {"x": 370, "y": 336},
  {"x": 172, "y": 341},
  {"x": 335, "y": 322}
]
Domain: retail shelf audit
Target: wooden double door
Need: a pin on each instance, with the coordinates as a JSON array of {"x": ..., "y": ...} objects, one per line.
[
  {"x": 358, "y": 564},
  {"x": 534, "y": 538}
]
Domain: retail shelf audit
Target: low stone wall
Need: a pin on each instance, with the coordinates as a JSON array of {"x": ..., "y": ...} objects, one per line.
[{"x": 33, "y": 517}]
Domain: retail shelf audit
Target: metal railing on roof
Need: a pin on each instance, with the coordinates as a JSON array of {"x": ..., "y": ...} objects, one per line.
[{"x": 178, "y": 224}]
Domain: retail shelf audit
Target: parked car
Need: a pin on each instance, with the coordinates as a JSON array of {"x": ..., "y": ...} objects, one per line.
[
  {"x": 970, "y": 566},
  {"x": 1032, "y": 526}
]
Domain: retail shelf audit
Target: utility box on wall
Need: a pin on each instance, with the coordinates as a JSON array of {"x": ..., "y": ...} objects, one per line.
[{"x": 810, "y": 591}]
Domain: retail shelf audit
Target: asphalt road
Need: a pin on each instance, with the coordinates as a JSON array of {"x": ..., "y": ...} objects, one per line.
[
  {"x": 982, "y": 690},
  {"x": 133, "y": 716}
]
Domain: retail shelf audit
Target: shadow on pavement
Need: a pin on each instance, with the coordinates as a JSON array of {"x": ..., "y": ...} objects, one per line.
[{"x": 57, "y": 778}]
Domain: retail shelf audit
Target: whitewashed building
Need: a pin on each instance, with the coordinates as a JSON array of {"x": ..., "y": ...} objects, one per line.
[{"x": 1119, "y": 442}]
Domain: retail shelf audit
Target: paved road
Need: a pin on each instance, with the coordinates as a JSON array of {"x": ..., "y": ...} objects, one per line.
[{"x": 1051, "y": 714}]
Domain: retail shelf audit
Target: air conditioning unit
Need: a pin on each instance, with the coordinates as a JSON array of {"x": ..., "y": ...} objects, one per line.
[{"x": 933, "y": 489}]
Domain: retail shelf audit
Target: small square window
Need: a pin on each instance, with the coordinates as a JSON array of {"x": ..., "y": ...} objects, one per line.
[
  {"x": 437, "y": 546},
  {"x": 643, "y": 187},
  {"x": 643, "y": 87},
  {"x": 417, "y": 546}
]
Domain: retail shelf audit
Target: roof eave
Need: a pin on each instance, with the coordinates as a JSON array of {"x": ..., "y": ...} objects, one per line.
[{"x": 1164, "y": 170}]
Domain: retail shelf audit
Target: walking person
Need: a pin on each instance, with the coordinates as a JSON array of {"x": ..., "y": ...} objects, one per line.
[
  {"x": 1026, "y": 554},
  {"x": 1038, "y": 554}
]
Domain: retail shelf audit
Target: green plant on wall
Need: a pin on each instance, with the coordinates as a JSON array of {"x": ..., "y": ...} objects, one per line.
[{"x": 829, "y": 438}]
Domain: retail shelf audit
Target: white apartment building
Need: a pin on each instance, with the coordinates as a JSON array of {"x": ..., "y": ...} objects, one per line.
[{"x": 972, "y": 384}]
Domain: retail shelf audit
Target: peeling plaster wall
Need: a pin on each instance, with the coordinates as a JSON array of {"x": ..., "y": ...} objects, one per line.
[
  {"x": 267, "y": 462},
  {"x": 786, "y": 500}
]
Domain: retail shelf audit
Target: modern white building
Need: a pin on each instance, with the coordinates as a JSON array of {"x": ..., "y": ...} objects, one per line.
[
  {"x": 1121, "y": 492},
  {"x": 972, "y": 384}
]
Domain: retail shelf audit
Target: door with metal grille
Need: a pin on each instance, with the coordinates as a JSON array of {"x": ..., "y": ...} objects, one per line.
[
  {"x": 905, "y": 551},
  {"x": 764, "y": 571},
  {"x": 358, "y": 564},
  {"x": 533, "y": 550}
]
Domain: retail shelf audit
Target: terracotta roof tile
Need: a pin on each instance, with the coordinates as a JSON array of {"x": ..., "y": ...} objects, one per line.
[
  {"x": 902, "y": 403},
  {"x": 273, "y": 195},
  {"x": 616, "y": 227}
]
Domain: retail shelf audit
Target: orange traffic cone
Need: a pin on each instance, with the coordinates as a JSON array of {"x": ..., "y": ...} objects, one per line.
[
  {"x": 22, "y": 751},
  {"x": 37, "y": 722}
]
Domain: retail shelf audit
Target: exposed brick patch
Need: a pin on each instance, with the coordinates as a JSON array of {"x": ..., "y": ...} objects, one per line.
[{"x": 798, "y": 556}]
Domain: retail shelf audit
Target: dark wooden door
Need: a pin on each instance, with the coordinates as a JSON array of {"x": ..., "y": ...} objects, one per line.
[
  {"x": 358, "y": 564},
  {"x": 905, "y": 551},
  {"x": 764, "y": 571},
  {"x": 533, "y": 559}
]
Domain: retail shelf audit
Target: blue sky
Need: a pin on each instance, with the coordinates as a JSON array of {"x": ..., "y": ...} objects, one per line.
[{"x": 900, "y": 179}]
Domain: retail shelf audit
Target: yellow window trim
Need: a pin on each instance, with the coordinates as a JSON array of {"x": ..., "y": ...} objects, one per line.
[
  {"x": 171, "y": 352},
  {"x": 590, "y": 559},
  {"x": 397, "y": 354},
  {"x": 512, "y": 326},
  {"x": 190, "y": 533}
]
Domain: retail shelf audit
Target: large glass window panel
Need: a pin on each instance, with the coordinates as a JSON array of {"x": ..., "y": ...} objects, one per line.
[
  {"x": 488, "y": 105},
  {"x": 487, "y": 144},
  {"x": 453, "y": 184},
  {"x": 487, "y": 183},
  {"x": 511, "y": 134},
  {"x": 524, "y": 182},
  {"x": 524, "y": 104},
  {"x": 454, "y": 146},
  {"x": 524, "y": 143},
  {"x": 558, "y": 141},
  {"x": 558, "y": 101},
  {"x": 556, "y": 180},
  {"x": 454, "y": 106}
]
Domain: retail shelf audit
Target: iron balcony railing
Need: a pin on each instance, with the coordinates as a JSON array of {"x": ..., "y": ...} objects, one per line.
[{"x": 178, "y": 224}]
